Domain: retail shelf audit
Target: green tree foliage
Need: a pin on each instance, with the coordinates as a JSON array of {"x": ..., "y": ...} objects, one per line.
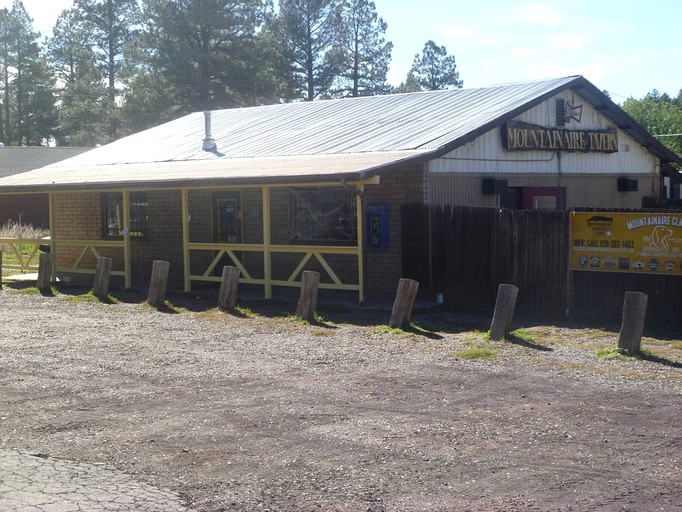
[
  {"x": 434, "y": 69},
  {"x": 204, "y": 53},
  {"x": 308, "y": 33},
  {"x": 661, "y": 116},
  {"x": 27, "y": 85},
  {"x": 411, "y": 84},
  {"x": 366, "y": 54},
  {"x": 112, "y": 27},
  {"x": 84, "y": 112}
]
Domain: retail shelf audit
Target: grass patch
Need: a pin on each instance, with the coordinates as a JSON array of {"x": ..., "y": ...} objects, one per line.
[
  {"x": 245, "y": 311},
  {"x": 677, "y": 345},
  {"x": 167, "y": 307},
  {"x": 608, "y": 354},
  {"x": 386, "y": 329},
  {"x": 476, "y": 353},
  {"x": 90, "y": 297},
  {"x": 48, "y": 291},
  {"x": 644, "y": 354}
]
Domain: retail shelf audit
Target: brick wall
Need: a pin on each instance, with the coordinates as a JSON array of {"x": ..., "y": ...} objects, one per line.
[
  {"x": 78, "y": 215},
  {"x": 384, "y": 266}
]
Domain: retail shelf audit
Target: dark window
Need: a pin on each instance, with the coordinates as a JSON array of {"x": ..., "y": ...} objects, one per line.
[
  {"x": 323, "y": 215},
  {"x": 112, "y": 214},
  {"x": 227, "y": 223}
]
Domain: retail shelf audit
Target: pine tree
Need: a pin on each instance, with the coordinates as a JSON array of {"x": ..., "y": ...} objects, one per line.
[
  {"x": 206, "y": 50},
  {"x": 308, "y": 32},
  {"x": 434, "y": 69},
  {"x": 366, "y": 54},
  {"x": 112, "y": 24}
]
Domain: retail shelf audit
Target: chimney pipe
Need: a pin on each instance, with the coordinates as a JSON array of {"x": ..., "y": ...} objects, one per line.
[{"x": 209, "y": 142}]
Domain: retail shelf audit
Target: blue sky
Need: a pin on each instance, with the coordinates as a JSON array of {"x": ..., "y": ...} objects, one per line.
[{"x": 627, "y": 47}]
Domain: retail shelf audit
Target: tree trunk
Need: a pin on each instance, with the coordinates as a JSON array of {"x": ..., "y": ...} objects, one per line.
[
  {"x": 44, "y": 271},
  {"x": 227, "y": 298},
  {"x": 404, "y": 302},
  {"x": 504, "y": 311},
  {"x": 159, "y": 280},
  {"x": 308, "y": 300},
  {"x": 632, "y": 327},
  {"x": 102, "y": 277}
]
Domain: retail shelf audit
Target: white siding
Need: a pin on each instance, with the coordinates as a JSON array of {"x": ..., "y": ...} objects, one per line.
[
  {"x": 486, "y": 155},
  {"x": 581, "y": 191}
]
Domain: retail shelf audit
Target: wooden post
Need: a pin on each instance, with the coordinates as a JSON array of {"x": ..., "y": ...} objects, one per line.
[
  {"x": 308, "y": 301},
  {"x": 632, "y": 327},
  {"x": 157, "y": 285},
  {"x": 227, "y": 298},
  {"x": 504, "y": 311},
  {"x": 0, "y": 270},
  {"x": 404, "y": 302},
  {"x": 102, "y": 276},
  {"x": 44, "y": 271}
]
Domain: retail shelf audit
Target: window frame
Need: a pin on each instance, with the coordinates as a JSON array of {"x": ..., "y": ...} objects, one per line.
[{"x": 112, "y": 214}]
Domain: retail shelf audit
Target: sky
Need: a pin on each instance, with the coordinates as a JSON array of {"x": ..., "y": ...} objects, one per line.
[{"x": 626, "y": 47}]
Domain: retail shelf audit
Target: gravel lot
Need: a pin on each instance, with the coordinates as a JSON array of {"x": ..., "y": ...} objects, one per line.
[{"x": 264, "y": 412}]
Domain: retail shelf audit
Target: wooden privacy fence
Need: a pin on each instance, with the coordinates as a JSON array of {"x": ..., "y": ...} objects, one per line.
[{"x": 465, "y": 253}]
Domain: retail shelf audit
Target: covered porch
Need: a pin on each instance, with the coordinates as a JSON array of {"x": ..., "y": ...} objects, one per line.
[{"x": 271, "y": 232}]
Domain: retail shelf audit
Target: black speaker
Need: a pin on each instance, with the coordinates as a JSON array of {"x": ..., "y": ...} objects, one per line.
[
  {"x": 488, "y": 186},
  {"x": 627, "y": 185}
]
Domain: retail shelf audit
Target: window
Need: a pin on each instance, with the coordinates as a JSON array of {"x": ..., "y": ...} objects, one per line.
[
  {"x": 323, "y": 215},
  {"x": 227, "y": 226},
  {"x": 112, "y": 214}
]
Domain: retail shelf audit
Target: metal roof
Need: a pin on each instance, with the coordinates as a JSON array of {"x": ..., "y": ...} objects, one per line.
[{"x": 354, "y": 135}]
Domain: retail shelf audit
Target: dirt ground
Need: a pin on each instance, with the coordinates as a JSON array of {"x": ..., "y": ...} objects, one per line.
[{"x": 260, "y": 411}]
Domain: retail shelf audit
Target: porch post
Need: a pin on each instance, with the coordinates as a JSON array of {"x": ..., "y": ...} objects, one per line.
[
  {"x": 50, "y": 203},
  {"x": 359, "y": 210},
  {"x": 127, "y": 252},
  {"x": 267, "y": 240},
  {"x": 185, "y": 239}
]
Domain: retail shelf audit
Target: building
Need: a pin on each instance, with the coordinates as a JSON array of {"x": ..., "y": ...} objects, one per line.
[
  {"x": 319, "y": 185},
  {"x": 28, "y": 208}
]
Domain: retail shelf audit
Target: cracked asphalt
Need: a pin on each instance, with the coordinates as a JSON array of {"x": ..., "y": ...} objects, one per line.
[{"x": 36, "y": 483}]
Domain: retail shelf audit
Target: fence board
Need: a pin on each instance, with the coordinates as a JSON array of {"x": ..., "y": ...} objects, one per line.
[{"x": 473, "y": 250}]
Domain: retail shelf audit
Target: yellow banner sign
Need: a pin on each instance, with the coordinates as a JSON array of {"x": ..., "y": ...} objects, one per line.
[{"x": 648, "y": 243}]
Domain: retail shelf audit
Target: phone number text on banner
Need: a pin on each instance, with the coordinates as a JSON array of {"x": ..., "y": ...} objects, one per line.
[{"x": 648, "y": 243}]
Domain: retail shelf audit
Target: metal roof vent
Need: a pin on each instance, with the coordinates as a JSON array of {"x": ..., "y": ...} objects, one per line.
[{"x": 209, "y": 142}]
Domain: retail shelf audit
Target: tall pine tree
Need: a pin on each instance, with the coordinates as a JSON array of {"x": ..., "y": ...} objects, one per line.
[
  {"x": 434, "y": 69},
  {"x": 366, "y": 54},
  {"x": 309, "y": 33}
]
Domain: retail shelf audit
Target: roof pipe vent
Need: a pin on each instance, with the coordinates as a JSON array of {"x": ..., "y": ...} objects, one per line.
[{"x": 209, "y": 142}]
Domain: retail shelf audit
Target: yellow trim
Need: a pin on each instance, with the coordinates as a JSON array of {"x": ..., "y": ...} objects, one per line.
[
  {"x": 267, "y": 241},
  {"x": 298, "y": 269},
  {"x": 185, "y": 239},
  {"x": 53, "y": 248},
  {"x": 359, "y": 218},
  {"x": 329, "y": 270},
  {"x": 127, "y": 249}
]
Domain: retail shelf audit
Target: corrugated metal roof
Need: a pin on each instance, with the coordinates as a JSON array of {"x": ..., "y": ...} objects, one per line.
[
  {"x": 250, "y": 140},
  {"x": 402, "y": 122},
  {"x": 234, "y": 170}
]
